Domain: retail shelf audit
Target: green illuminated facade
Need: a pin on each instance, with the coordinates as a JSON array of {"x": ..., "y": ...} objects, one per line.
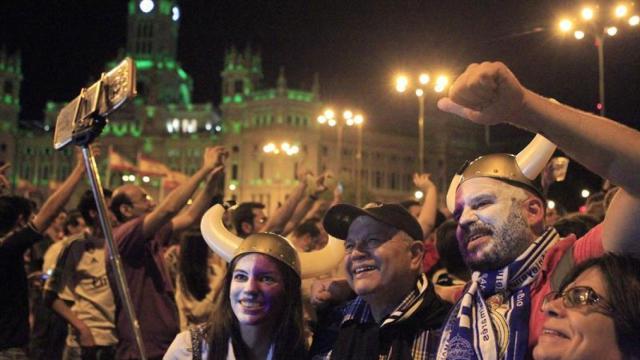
[
  {"x": 163, "y": 123},
  {"x": 10, "y": 79}
]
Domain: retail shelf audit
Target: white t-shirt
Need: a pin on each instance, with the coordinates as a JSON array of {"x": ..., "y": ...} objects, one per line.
[
  {"x": 180, "y": 349},
  {"x": 81, "y": 270}
]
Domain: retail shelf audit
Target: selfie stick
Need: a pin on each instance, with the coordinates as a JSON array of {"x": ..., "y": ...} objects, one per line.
[{"x": 87, "y": 126}]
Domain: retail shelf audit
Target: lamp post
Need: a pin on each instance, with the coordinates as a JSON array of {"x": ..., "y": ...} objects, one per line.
[
  {"x": 402, "y": 84},
  {"x": 350, "y": 119},
  {"x": 358, "y": 122},
  {"x": 600, "y": 26}
]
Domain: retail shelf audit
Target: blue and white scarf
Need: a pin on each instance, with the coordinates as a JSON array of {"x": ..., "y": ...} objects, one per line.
[{"x": 478, "y": 329}]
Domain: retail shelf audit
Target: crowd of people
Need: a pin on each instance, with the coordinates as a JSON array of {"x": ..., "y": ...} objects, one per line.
[{"x": 497, "y": 275}]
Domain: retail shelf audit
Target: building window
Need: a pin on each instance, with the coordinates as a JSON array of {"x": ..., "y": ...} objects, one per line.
[
  {"x": 234, "y": 172},
  {"x": 8, "y": 87},
  {"x": 64, "y": 172},
  {"x": 364, "y": 176},
  {"x": 295, "y": 170},
  {"x": 393, "y": 181},
  {"x": 377, "y": 179},
  {"x": 408, "y": 181},
  {"x": 261, "y": 171},
  {"x": 26, "y": 171},
  {"x": 238, "y": 86}
]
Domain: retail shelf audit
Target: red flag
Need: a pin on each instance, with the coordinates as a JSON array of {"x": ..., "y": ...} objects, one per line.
[
  {"x": 118, "y": 162},
  {"x": 25, "y": 185},
  {"x": 174, "y": 179},
  {"x": 150, "y": 167}
]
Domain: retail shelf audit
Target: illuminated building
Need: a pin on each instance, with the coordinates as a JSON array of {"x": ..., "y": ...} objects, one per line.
[{"x": 163, "y": 123}]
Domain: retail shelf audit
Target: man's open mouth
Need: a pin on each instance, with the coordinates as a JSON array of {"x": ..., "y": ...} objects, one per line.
[
  {"x": 476, "y": 234},
  {"x": 362, "y": 268}
]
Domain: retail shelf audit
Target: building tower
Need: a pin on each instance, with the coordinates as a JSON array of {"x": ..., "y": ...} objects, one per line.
[
  {"x": 10, "y": 79},
  {"x": 241, "y": 74},
  {"x": 152, "y": 40}
]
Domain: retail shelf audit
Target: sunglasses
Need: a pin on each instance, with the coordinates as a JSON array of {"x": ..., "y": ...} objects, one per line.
[{"x": 580, "y": 296}]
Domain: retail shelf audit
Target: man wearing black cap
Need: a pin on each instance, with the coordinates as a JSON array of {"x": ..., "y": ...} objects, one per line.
[
  {"x": 396, "y": 309},
  {"x": 500, "y": 214}
]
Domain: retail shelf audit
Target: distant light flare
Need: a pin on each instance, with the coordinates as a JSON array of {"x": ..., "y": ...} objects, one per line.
[
  {"x": 329, "y": 114},
  {"x": 565, "y": 25},
  {"x": 551, "y": 204},
  {"x": 402, "y": 82},
  {"x": 587, "y": 13},
  {"x": 621, "y": 11}
]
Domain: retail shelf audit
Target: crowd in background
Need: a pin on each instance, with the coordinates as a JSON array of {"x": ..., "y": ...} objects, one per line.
[{"x": 59, "y": 298}]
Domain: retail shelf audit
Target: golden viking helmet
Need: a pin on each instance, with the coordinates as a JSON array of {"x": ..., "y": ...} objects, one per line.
[
  {"x": 272, "y": 245},
  {"x": 518, "y": 170},
  {"x": 228, "y": 245}
]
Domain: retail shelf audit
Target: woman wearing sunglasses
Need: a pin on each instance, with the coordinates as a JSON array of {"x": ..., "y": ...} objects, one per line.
[{"x": 596, "y": 315}]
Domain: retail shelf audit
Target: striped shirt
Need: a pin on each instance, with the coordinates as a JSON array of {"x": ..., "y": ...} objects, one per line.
[{"x": 419, "y": 316}]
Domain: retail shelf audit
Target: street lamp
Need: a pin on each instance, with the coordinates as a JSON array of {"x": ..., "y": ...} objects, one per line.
[
  {"x": 599, "y": 25},
  {"x": 284, "y": 148},
  {"x": 349, "y": 118},
  {"x": 402, "y": 85}
]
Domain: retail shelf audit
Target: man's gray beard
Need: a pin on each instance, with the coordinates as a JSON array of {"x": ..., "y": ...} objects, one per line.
[{"x": 511, "y": 240}]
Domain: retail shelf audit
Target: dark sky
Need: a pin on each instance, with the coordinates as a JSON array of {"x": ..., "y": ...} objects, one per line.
[{"x": 356, "y": 46}]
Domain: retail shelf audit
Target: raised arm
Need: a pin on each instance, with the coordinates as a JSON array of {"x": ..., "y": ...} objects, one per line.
[
  {"x": 304, "y": 207},
  {"x": 429, "y": 210},
  {"x": 489, "y": 93},
  {"x": 281, "y": 216},
  {"x": 201, "y": 203},
  {"x": 176, "y": 200},
  {"x": 59, "y": 198}
]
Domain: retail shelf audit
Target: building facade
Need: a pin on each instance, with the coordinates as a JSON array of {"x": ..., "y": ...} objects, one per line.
[{"x": 271, "y": 131}]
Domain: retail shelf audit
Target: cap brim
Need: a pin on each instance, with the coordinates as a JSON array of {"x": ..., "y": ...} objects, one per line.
[{"x": 339, "y": 218}]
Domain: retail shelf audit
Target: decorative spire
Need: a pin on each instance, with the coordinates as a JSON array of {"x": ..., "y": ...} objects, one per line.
[
  {"x": 282, "y": 81},
  {"x": 315, "y": 88}
]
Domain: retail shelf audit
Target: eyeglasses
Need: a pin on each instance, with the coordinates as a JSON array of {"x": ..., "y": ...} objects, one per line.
[{"x": 579, "y": 296}]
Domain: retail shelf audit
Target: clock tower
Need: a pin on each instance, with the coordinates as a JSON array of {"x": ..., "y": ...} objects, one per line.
[{"x": 152, "y": 40}]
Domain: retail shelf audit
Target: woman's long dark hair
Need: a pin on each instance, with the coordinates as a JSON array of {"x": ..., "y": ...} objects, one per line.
[
  {"x": 193, "y": 265},
  {"x": 621, "y": 274},
  {"x": 287, "y": 336}
]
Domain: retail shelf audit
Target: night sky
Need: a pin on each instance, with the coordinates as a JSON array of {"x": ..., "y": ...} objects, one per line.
[{"x": 356, "y": 46}]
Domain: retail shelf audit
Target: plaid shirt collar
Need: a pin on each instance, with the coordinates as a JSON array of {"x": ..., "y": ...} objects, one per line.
[{"x": 358, "y": 310}]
